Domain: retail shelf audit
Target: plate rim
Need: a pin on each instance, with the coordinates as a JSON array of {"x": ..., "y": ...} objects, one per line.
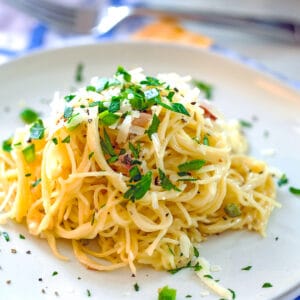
[
  {"x": 39, "y": 53},
  {"x": 139, "y": 43}
]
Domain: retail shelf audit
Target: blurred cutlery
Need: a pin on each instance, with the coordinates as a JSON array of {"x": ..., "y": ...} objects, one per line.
[{"x": 100, "y": 18}]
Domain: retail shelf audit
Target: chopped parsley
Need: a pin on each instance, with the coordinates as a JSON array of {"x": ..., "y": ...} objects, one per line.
[
  {"x": 122, "y": 71},
  {"x": 191, "y": 165},
  {"x": 28, "y": 175},
  {"x": 106, "y": 145},
  {"x": 246, "y": 124},
  {"x": 138, "y": 191},
  {"x": 68, "y": 112},
  {"x": 233, "y": 293},
  {"x": 153, "y": 126},
  {"x": 165, "y": 182},
  {"x": 79, "y": 72},
  {"x": 167, "y": 293},
  {"x": 135, "y": 174},
  {"x": 88, "y": 292},
  {"x": 187, "y": 179},
  {"x": 267, "y": 285},
  {"x": 206, "y": 88},
  {"x": 90, "y": 88},
  {"x": 104, "y": 83},
  {"x": 170, "y": 95},
  {"x": 113, "y": 159},
  {"x": 7, "y": 145},
  {"x": 135, "y": 150},
  {"x": 54, "y": 273},
  {"x": 114, "y": 104},
  {"x": 29, "y": 153},
  {"x": 176, "y": 107},
  {"x": 137, "y": 98},
  {"x": 188, "y": 296},
  {"x": 36, "y": 183},
  {"x": 246, "y": 268},
  {"x": 6, "y": 236},
  {"x": 136, "y": 287},
  {"x": 196, "y": 252},
  {"x": 197, "y": 267},
  {"x": 151, "y": 81},
  {"x": 55, "y": 141},
  {"x": 21, "y": 236},
  {"x": 294, "y": 190},
  {"x": 205, "y": 140},
  {"x": 282, "y": 180},
  {"x": 66, "y": 140},
  {"x": 73, "y": 121},
  {"x": 232, "y": 210},
  {"x": 28, "y": 115},
  {"x": 108, "y": 118},
  {"x": 208, "y": 276},
  {"x": 37, "y": 130},
  {"x": 91, "y": 155},
  {"x": 69, "y": 98}
]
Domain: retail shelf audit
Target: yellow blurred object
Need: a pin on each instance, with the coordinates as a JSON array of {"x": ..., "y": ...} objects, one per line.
[{"x": 170, "y": 30}]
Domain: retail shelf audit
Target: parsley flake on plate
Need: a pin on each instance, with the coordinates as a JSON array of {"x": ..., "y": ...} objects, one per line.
[
  {"x": 246, "y": 268},
  {"x": 294, "y": 190},
  {"x": 136, "y": 287},
  {"x": 5, "y": 235},
  {"x": 282, "y": 180},
  {"x": 267, "y": 285},
  {"x": 79, "y": 72},
  {"x": 245, "y": 124},
  {"x": 167, "y": 293}
]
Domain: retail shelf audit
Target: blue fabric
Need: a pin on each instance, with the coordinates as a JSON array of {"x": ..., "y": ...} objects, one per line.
[
  {"x": 8, "y": 53},
  {"x": 37, "y": 37}
]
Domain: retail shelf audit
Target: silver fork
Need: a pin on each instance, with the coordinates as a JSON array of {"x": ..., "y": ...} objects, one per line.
[{"x": 100, "y": 18}]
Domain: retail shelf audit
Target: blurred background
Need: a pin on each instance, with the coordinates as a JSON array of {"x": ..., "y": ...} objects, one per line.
[{"x": 263, "y": 34}]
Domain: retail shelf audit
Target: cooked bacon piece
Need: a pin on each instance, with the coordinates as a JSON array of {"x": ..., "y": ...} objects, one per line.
[
  {"x": 123, "y": 164},
  {"x": 208, "y": 113},
  {"x": 143, "y": 120}
]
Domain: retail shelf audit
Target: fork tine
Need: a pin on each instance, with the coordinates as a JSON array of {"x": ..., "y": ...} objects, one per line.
[
  {"x": 60, "y": 9},
  {"x": 62, "y": 17}
]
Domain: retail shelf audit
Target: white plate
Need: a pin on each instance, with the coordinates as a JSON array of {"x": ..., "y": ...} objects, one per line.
[{"x": 240, "y": 93}]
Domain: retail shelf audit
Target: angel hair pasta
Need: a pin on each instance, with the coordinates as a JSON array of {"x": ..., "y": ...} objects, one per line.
[{"x": 133, "y": 169}]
